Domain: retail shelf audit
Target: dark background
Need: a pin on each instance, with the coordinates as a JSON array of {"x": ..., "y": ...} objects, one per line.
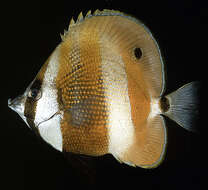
[{"x": 30, "y": 32}]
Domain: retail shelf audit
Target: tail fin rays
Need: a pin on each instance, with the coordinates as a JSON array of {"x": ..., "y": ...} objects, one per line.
[{"x": 184, "y": 106}]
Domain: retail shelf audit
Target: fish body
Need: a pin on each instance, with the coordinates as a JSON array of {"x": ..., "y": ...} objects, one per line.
[{"x": 102, "y": 91}]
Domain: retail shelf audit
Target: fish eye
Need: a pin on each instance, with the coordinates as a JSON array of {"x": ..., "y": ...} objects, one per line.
[
  {"x": 138, "y": 53},
  {"x": 35, "y": 94}
]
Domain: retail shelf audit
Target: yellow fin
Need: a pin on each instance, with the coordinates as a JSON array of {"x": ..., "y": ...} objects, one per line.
[
  {"x": 97, "y": 12},
  {"x": 63, "y": 36},
  {"x": 72, "y": 22},
  {"x": 65, "y": 32},
  {"x": 80, "y": 17},
  {"x": 88, "y": 13}
]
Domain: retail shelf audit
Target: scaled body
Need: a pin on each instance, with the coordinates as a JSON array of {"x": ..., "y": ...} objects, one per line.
[{"x": 100, "y": 92}]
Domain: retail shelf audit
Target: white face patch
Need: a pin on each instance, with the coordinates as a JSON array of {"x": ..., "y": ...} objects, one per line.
[
  {"x": 50, "y": 132},
  {"x": 47, "y": 105},
  {"x": 121, "y": 129}
]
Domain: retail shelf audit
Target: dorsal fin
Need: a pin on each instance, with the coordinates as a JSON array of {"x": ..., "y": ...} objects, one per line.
[
  {"x": 88, "y": 13},
  {"x": 120, "y": 27},
  {"x": 97, "y": 12},
  {"x": 80, "y": 18},
  {"x": 64, "y": 35},
  {"x": 72, "y": 22}
]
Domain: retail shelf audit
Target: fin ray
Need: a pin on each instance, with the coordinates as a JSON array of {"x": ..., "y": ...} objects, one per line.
[
  {"x": 128, "y": 33},
  {"x": 184, "y": 106},
  {"x": 150, "y": 145}
]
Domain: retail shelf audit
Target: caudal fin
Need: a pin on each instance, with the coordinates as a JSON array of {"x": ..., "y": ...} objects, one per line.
[{"x": 184, "y": 106}]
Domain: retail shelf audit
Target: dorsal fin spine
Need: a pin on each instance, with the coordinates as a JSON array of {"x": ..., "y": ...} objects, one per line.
[
  {"x": 62, "y": 37},
  {"x": 80, "y": 17},
  {"x": 88, "y": 13},
  {"x": 97, "y": 12},
  {"x": 72, "y": 22},
  {"x": 104, "y": 12}
]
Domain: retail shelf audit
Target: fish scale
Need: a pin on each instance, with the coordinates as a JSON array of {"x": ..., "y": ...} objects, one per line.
[{"x": 102, "y": 91}]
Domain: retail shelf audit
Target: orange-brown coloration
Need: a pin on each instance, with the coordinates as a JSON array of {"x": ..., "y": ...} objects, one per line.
[
  {"x": 143, "y": 84},
  {"x": 138, "y": 96},
  {"x": 84, "y": 125},
  {"x": 88, "y": 45},
  {"x": 149, "y": 144}
]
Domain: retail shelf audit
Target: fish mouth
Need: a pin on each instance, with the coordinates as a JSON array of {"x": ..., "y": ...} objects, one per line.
[{"x": 17, "y": 105}]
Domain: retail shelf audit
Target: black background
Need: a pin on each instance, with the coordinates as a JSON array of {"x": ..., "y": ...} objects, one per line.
[{"x": 30, "y": 32}]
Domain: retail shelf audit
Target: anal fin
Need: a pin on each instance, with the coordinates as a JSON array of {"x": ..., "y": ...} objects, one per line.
[{"x": 149, "y": 145}]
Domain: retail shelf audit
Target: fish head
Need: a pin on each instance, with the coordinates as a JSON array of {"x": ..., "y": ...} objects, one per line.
[{"x": 38, "y": 105}]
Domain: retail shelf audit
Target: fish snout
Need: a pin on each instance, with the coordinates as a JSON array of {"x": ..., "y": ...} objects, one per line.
[{"x": 17, "y": 104}]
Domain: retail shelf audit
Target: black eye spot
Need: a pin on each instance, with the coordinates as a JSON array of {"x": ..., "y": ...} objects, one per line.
[
  {"x": 138, "y": 53},
  {"x": 34, "y": 93}
]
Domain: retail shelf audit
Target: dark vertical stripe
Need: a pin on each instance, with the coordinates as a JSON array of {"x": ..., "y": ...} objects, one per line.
[{"x": 30, "y": 105}]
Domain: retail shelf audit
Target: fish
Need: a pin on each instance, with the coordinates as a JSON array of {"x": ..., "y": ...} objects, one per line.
[{"x": 102, "y": 91}]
